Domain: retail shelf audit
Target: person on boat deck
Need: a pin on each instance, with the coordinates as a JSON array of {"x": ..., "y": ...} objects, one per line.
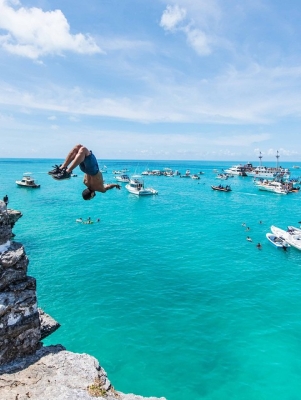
[{"x": 86, "y": 160}]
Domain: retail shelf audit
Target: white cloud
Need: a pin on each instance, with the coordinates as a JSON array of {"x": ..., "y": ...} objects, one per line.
[
  {"x": 198, "y": 40},
  {"x": 33, "y": 33},
  {"x": 171, "y": 17}
]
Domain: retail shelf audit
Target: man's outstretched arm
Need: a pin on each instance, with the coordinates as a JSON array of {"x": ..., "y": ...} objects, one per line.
[{"x": 111, "y": 186}]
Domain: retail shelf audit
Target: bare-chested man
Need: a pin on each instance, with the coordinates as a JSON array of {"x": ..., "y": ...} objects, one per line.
[{"x": 85, "y": 159}]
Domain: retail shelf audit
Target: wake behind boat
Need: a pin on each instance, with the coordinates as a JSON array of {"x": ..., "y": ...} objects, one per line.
[{"x": 136, "y": 186}]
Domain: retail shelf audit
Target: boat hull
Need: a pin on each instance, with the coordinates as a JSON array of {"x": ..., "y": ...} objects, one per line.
[
  {"x": 142, "y": 191},
  {"x": 221, "y": 189},
  {"x": 277, "y": 241},
  {"x": 293, "y": 239},
  {"x": 20, "y": 184}
]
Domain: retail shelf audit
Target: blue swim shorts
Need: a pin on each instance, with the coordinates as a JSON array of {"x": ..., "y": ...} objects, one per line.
[{"x": 90, "y": 165}]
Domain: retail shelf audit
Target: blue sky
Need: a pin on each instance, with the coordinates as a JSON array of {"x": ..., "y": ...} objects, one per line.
[{"x": 137, "y": 79}]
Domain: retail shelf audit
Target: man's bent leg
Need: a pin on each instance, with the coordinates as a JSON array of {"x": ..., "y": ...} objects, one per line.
[
  {"x": 82, "y": 153},
  {"x": 71, "y": 156}
]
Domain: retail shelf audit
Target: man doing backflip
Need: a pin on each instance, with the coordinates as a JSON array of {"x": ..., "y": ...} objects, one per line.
[{"x": 85, "y": 159}]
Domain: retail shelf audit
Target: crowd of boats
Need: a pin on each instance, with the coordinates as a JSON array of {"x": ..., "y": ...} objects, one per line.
[{"x": 272, "y": 179}]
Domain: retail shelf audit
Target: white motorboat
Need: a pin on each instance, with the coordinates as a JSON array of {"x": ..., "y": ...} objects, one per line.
[
  {"x": 293, "y": 229},
  {"x": 122, "y": 178},
  {"x": 186, "y": 175},
  {"x": 277, "y": 241},
  {"x": 194, "y": 176},
  {"x": 236, "y": 170},
  {"x": 168, "y": 172},
  {"x": 222, "y": 176},
  {"x": 272, "y": 186},
  {"x": 290, "y": 237},
  {"x": 136, "y": 186},
  {"x": 28, "y": 181}
]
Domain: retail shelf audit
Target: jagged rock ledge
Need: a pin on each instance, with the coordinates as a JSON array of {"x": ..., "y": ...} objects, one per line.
[
  {"x": 54, "y": 373},
  {"x": 28, "y": 370}
]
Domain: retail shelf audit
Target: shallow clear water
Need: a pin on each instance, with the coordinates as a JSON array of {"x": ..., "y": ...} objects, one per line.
[{"x": 165, "y": 291}]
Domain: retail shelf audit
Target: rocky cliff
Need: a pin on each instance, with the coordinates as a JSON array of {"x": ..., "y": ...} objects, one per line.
[{"x": 28, "y": 370}]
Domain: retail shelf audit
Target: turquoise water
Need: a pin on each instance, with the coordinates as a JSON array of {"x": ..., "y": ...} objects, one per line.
[{"x": 165, "y": 291}]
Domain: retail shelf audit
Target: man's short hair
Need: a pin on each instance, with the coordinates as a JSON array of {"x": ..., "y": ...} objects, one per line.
[{"x": 88, "y": 194}]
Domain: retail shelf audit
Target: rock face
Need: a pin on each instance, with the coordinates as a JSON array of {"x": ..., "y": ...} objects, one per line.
[
  {"x": 19, "y": 318},
  {"x": 27, "y": 369}
]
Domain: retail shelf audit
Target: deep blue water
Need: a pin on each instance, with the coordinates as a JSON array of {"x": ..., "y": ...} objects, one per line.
[{"x": 165, "y": 291}]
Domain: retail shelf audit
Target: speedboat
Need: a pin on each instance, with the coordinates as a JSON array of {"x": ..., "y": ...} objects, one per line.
[
  {"x": 27, "y": 181},
  {"x": 293, "y": 229},
  {"x": 277, "y": 241},
  {"x": 123, "y": 178},
  {"x": 222, "y": 176},
  {"x": 272, "y": 186},
  {"x": 194, "y": 176},
  {"x": 136, "y": 186},
  {"x": 221, "y": 188},
  {"x": 294, "y": 239}
]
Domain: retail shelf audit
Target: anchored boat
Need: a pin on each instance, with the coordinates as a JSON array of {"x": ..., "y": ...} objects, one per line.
[
  {"x": 28, "y": 181},
  {"x": 136, "y": 186}
]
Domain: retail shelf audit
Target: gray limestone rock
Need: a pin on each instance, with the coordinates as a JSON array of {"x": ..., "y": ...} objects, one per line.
[
  {"x": 54, "y": 373},
  {"x": 48, "y": 324},
  {"x": 13, "y": 265},
  {"x": 19, "y": 320},
  {"x": 5, "y": 226}
]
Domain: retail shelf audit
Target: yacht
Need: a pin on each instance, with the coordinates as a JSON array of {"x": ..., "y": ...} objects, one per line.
[
  {"x": 236, "y": 170},
  {"x": 136, "y": 186},
  {"x": 268, "y": 172},
  {"x": 272, "y": 186},
  {"x": 27, "y": 181}
]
